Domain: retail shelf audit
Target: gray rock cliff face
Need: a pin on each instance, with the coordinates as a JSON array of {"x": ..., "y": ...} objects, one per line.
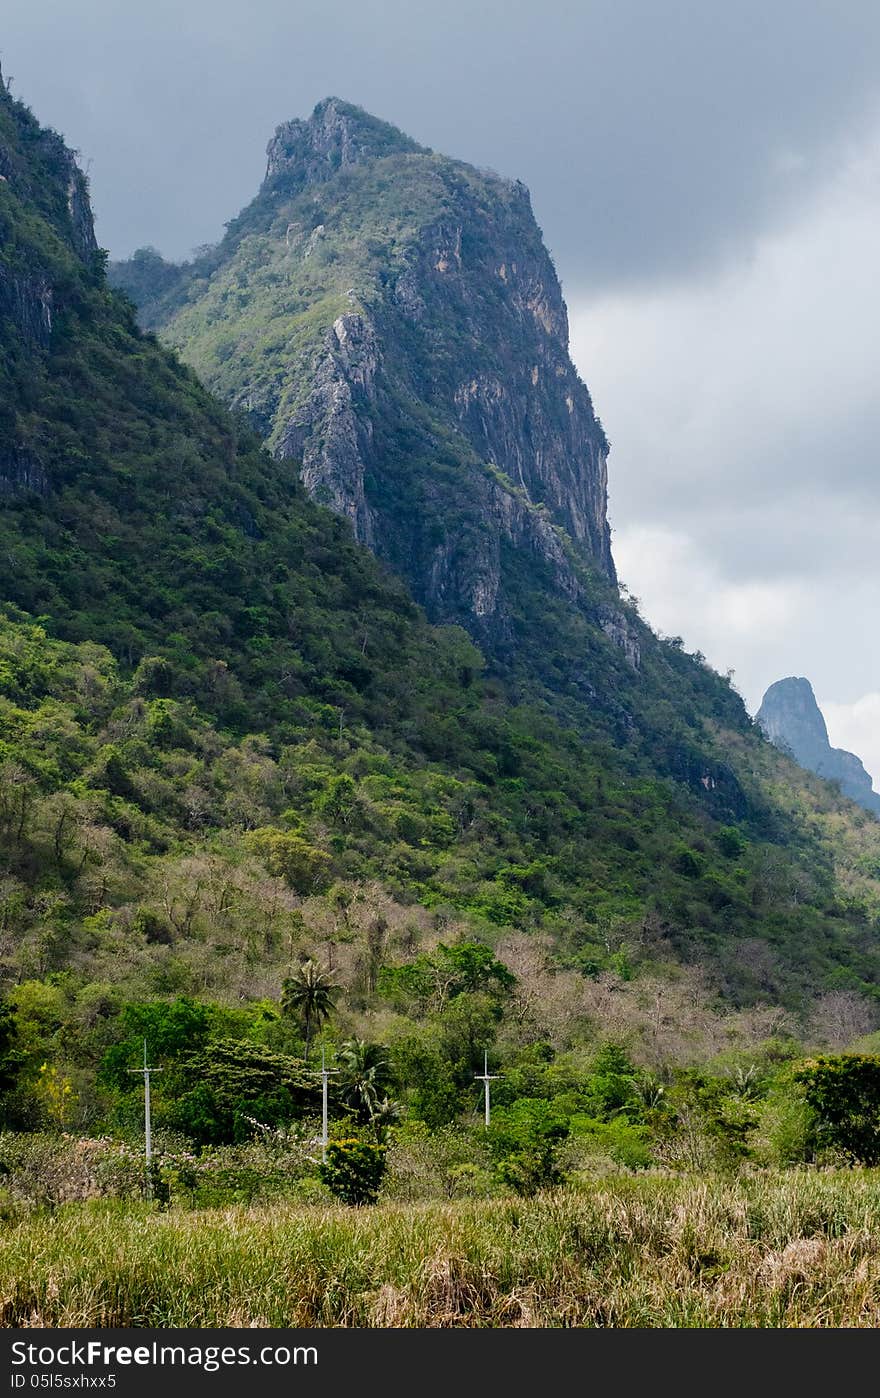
[
  {"x": 21, "y": 473},
  {"x": 437, "y": 407},
  {"x": 79, "y": 209},
  {"x": 479, "y": 278},
  {"x": 516, "y": 396},
  {"x": 28, "y": 298},
  {"x": 793, "y": 721},
  {"x": 331, "y": 433}
]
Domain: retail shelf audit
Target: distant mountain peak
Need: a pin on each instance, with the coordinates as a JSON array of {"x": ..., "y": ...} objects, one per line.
[
  {"x": 792, "y": 720},
  {"x": 336, "y": 135},
  {"x": 793, "y": 702}
]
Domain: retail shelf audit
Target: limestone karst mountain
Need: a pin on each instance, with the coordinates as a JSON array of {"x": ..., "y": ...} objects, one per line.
[
  {"x": 391, "y": 322},
  {"x": 792, "y": 719}
]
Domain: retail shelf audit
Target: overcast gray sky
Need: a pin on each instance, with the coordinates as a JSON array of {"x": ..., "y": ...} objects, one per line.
[{"x": 707, "y": 175}]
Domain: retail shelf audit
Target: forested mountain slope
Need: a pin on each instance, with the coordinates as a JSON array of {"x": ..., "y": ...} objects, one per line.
[{"x": 230, "y": 738}]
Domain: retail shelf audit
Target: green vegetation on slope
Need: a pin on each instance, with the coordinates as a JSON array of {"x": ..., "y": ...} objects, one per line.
[{"x": 231, "y": 742}]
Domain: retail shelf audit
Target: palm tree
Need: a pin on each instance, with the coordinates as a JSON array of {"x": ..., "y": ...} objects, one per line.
[
  {"x": 385, "y": 1114},
  {"x": 364, "y": 1078},
  {"x": 308, "y": 994}
]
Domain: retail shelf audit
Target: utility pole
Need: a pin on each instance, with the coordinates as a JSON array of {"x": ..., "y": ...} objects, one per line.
[
  {"x": 146, "y": 1071},
  {"x": 485, "y": 1078},
  {"x": 325, "y": 1077}
]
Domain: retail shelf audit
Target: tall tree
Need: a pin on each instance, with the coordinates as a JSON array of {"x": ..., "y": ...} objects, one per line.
[
  {"x": 364, "y": 1078},
  {"x": 308, "y": 994}
]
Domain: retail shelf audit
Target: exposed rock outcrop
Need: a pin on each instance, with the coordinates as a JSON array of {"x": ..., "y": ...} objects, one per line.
[
  {"x": 21, "y": 473},
  {"x": 79, "y": 209},
  {"x": 27, "y": 298},
  {"x": 791, "y": 718},
  {"x": 331, "y": 432},
  {"x": 336, "y": 136},
  {"x": 413, "y": 361}
]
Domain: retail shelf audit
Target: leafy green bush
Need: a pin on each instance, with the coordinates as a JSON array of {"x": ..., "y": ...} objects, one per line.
[
  {"x": 785, "y": 1129},
  {"x": 433, "y": 1095},
  {"x": 844, "y": 1093},
  {"x": 731, "y": 841},
  {"x": 354, "y": 1170},
  {"x": 611, "y": 1088},
  {"x": 171, "y": 1028},
  {"x": 289, "y": 856},
  {"x": 452, "y": 1161},
  {"x": 524, "y": 1140},
  {"x": 621, "y": 1141},
  {"x": 436, "y": 977},
  {"x": 702, "y": 1124}
]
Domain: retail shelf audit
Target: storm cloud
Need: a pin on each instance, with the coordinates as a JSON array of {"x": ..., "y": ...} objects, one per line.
[
  {"x": 655, "y": 137},
  {"x": 708, "y": 178},
  {"x": 745, "y": 423}
]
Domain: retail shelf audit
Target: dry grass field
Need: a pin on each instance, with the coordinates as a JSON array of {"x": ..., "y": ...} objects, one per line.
[{"x": 780, "y": 1250}]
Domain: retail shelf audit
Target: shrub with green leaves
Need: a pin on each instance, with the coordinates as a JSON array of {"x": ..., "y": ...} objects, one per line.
[
  {"x": 702, "y": 1125},
  {"x": 435, "y": 978},
  {"x": 612, "y": 1087},
  {"x": 354, "y": 1170},
  {"x": 785, "y": 1132},
  {"x": 171, "y": 1029},
  {"x": 844, "y": 1093},
  {"x": 288, "y": 856},
  {"x": 524, "y": 1140},
  {"x": 619, "y": 1140}
]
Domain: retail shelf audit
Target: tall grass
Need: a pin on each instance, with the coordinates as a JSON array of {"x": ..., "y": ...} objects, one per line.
[{"x": 786, "y": 1250}]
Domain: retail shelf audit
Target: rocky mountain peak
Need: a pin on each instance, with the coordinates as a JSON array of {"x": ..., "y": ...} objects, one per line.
[
  {"x": 392, "y": 323},
  {"x": 336, "y": 136},
  {"x": 789, "y": 713},
  {"x": 791, "y": 718}
]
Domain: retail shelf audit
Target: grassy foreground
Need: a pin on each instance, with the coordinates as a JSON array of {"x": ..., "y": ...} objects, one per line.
[{"x": 794, "y": 1250}]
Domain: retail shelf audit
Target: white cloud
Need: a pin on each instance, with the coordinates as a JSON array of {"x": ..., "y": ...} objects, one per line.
[
  {"x": 745, "y": 423},
  {"x": 679, "y": 571}
]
